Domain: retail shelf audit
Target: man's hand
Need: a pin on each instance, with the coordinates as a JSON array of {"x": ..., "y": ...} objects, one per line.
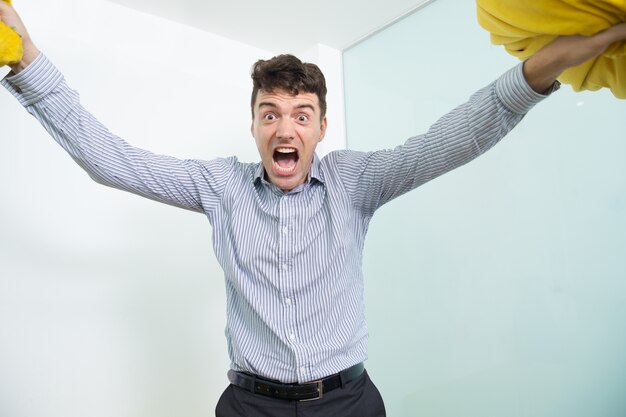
[
  {"x": 543, "y": 68},
  {"x": 12, "y": 19}
]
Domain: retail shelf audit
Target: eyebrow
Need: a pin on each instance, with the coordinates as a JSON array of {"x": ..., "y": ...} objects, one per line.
[
  {"x": 267, "y": 104},
  {"x": 299, "y": 106},
  {"x": 306, "y": 106}
]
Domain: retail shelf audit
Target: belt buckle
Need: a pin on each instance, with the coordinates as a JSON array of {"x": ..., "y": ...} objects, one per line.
[{"x": 320, "y": 391}]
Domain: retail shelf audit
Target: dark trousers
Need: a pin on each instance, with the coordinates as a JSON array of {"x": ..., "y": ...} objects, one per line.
[{"x": 357, "y": 398}]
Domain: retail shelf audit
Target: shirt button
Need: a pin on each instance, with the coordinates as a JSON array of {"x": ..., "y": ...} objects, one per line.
[
  {"x": 302, "y": 370},
  {"x": 285, "y": 230},
  {"x": 288, "y": 301},
  {"x": 284, "y": 266},
  {"x": 292, "y": 337}
]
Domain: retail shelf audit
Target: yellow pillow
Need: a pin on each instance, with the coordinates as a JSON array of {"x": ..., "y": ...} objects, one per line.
[
  {"x": 524, "y": 27},
  {"x": 10, "y": 44}
]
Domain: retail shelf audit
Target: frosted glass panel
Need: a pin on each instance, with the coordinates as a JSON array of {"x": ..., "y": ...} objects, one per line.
[{"x": 499, "y": 288}]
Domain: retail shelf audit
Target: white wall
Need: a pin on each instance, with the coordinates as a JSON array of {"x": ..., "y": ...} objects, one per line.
[
  {"x": 498, "y": 289},
  {"x": 111, "y": 305}
]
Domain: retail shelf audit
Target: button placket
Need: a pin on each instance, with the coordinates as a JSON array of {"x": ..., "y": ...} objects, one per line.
[{"x": 285, "y": 267}]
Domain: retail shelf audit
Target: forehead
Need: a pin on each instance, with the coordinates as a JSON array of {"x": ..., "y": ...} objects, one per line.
[{"x": 285, "y": 100}]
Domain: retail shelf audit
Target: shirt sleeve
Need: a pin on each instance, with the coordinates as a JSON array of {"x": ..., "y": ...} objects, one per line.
[
  {"x": 374, "y": 178},
  {"x": 109, "y": 160}
]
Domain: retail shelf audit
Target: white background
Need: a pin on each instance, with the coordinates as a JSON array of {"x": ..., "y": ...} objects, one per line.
[{"x": 111, "y": 305}]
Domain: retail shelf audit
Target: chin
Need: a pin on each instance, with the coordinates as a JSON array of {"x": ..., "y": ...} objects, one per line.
[
  {"x": 287, "y": 184},
  {"x": 286, "y": 187}
]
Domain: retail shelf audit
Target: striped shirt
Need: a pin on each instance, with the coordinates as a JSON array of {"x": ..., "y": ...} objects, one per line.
[{"x": 291, "y": 261}]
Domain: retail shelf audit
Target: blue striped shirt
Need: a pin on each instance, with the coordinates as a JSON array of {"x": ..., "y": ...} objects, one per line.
[{"x": 292, "y": 261}]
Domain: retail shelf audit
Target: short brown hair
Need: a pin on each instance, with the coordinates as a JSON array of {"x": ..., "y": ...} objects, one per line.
[{"x": 288, "y": 73}]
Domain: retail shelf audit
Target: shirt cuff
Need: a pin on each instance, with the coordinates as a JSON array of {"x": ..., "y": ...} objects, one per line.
[
  {"x": 34, "y": 82},
  {"x": 516, "y": 94}
]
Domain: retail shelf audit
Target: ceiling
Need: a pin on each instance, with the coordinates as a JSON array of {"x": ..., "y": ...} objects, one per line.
[{"x": 281, "y": 25}]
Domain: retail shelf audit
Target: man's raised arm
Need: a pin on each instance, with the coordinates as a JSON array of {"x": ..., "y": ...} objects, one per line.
[{"x": 108, "y": 159}]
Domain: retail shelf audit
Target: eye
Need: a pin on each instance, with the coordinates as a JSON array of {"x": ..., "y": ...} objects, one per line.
[
  {"x": 269, "y": 116},
  {"x": 303, "y": 118}
]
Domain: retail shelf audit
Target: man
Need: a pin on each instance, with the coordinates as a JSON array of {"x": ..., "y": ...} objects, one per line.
[{"x": 289, "y": 231}]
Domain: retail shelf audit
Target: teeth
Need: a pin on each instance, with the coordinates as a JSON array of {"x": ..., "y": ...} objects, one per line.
[{"x": 285, "y": 150}]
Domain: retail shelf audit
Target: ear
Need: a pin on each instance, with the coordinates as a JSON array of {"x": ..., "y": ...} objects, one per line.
[{"x": 323, "y": 126}]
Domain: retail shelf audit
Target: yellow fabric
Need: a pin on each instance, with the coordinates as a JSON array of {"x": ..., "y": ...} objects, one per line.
[
  {"x": 10, "y": 44},
  {"x": 525, "y": 26}
]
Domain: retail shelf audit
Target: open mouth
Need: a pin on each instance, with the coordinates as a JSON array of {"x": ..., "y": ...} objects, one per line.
[{"x": 285, "y": 160}]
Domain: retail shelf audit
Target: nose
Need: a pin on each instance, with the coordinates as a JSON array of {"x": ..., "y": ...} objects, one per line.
[{"x": 285, "y": 129}]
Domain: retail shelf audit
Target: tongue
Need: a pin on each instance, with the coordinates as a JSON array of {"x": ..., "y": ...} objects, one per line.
[{"x": 285, "y": 159}]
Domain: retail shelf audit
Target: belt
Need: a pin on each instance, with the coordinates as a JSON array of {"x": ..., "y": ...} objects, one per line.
[{"x": 308, "y": 391}]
